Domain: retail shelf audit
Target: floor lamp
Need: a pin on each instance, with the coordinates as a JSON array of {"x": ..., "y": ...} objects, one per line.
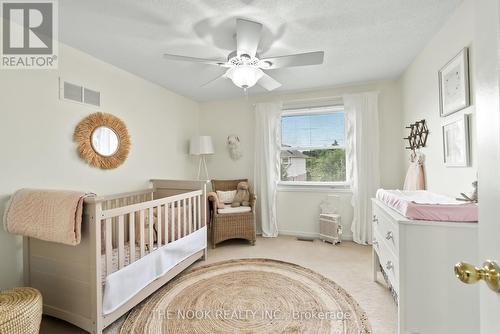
[{"x": 202, "y": 146}]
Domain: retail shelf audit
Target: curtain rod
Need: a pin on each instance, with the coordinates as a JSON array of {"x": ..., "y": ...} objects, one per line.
[
  {"x": 311, "y": 102},
  {"x": 317, "y": 109}
]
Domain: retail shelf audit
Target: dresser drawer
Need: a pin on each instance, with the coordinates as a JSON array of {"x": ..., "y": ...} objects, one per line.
[
  {"x": 388, "y": 260},
  {"x": 387, "y": 228}
]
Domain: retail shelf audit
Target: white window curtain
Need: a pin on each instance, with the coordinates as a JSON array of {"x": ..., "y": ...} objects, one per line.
[
  {"x": 267, "y": 165},
  {"x": 362, "y": 150}
]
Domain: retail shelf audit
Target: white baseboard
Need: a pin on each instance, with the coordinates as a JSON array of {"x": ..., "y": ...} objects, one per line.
[{"x": 345, "y": 236}]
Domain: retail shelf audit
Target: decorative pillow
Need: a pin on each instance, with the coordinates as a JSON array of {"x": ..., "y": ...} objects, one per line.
[{"x": 226, "y": 197}]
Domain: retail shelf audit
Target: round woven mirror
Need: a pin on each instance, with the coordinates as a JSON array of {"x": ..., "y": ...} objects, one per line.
[{"x": 103, "y": 140}]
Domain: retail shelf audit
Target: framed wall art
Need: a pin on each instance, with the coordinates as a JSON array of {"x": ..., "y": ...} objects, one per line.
[
  {"x": 454, "y": 94},
  {"x": 456, "y": 142}
]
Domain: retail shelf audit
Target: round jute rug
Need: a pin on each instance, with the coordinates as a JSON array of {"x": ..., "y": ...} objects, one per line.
[{"x": 249, "y": 296}]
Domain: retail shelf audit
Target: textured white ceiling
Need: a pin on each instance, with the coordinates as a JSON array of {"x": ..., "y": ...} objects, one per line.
[{"x": 363, "y": 40}]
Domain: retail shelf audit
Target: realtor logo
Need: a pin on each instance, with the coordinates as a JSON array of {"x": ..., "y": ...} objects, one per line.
[{"x": 29, "y": 37}]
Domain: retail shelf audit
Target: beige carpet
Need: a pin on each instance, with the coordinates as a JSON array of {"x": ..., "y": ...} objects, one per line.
[
  {"x": 249, "y": 296},
  {"x": 348, "y": 264}
]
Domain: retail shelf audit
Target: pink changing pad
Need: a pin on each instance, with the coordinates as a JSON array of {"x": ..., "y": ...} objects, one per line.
[{"x": 424, "y": 205}]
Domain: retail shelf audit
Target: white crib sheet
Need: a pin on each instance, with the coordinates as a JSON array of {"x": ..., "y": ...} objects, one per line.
[{"x": 123, "y": 284}]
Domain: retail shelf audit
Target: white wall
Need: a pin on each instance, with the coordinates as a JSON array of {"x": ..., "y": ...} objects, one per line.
[
  {"x": 298, "y": 210},
  {"x": 36, "y": 131},
  {"x": 420, "y": 98}
]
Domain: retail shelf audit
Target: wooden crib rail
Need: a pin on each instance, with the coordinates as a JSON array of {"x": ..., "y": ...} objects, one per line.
[
  {"x": 101, "y": 199},
  {"x": 154, "y": 223},
  {"x": 146, "y": 205}
]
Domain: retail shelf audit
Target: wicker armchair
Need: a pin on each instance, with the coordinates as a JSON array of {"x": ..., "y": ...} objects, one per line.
[{"x": 231, "y": 225}]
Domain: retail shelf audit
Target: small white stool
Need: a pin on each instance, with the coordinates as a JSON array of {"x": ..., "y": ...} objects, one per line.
[{"x": 330, "y": 228}]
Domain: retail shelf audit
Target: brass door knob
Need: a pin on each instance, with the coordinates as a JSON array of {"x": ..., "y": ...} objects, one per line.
[{"x": 469, "y": 274}]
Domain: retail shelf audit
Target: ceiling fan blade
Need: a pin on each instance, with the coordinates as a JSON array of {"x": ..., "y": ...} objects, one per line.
[
  {"x": 268, "y": 83},
  {"x": 247, "y": 37},
  {"x": 217, "y": 62},
  {"x": 222, "y": 76},
  {"x": 301, "y": 59}
]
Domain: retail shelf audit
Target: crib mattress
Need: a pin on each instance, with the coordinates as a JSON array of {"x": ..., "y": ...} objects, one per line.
[
  {"x": 425, "y": 205},
  {"x": 123, "y": 284}
]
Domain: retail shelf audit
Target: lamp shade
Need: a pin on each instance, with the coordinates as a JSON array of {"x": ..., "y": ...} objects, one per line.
[{"x": 201, "y": 145}]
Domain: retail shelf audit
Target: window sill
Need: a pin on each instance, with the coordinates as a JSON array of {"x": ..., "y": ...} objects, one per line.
[{"x": 291, "y": 186}]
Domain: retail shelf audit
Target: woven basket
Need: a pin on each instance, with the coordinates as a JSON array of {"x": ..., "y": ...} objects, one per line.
[{"x": 20, "y": 311}]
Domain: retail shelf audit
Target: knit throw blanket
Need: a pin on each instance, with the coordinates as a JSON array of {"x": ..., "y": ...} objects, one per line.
[{"x": 50, "y": 215}]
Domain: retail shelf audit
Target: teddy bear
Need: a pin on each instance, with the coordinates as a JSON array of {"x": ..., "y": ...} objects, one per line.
[{"x": 242, "y": 197}]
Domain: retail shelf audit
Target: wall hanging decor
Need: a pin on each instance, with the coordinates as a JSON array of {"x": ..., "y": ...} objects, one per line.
[
  {"x": 234, "y": 147},
  {"x": 456, "y": 140},
  {"x": 103, "y": 140},
  {"x": 454, "y": 92},
  {"x": 418, "y": 135}
]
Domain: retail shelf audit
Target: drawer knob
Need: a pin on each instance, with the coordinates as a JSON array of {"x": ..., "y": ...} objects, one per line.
[
  {"x": 375, "y": 219},
  {"x": 389, "y": 235},
  {"x": 469, "y": 274},
  {"x": 389, "y": 265}
]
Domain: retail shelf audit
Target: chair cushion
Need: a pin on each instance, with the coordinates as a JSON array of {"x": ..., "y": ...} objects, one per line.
[
  {"x": 239, "y": 209},
  {"x": 226, "y": 196}
]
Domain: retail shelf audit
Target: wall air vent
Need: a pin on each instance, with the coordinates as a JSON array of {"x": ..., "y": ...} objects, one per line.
[
  {"x": 73, "y": 92},
  {"x": 91, "y": 97},
  {"x": 77, "y": 93}
]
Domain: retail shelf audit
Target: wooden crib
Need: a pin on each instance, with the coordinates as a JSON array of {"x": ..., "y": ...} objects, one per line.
[{"x": 122, "y": 235}]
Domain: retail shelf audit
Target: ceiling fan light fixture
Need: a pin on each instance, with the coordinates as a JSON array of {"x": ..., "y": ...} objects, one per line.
[{"x": 244, "y": 76}]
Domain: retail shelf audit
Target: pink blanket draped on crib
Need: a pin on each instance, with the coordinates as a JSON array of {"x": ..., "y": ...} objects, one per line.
[{"x": 50, "y": 215}]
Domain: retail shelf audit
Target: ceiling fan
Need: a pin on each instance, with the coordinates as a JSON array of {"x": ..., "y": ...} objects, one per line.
[{"x": 244, "y": 66}]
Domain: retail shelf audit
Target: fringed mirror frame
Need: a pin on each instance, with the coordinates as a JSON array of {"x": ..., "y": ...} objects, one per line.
[{"x": 83, "y": 137}]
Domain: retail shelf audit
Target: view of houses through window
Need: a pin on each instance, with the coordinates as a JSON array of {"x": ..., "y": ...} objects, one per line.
[{"x": 313, "y": 146}]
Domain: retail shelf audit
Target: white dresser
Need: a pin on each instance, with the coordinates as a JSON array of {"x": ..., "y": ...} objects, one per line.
[{"x": 417, "y": 259}]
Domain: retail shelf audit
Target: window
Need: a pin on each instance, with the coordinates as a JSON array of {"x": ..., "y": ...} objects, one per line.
[{"x": 313, "y": 147}]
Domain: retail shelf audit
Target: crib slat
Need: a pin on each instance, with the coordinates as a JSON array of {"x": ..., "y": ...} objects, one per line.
[
  {"x": 109, "y": 246},
  {"x": 131, "y": 233},
  {"x": 195, "y": 221},
  {"x": 184, "y": 218},
  {"x": 166, "y": 223},
  {"x": 199, "y": 212},
  {"x": 150, "y": 229},
  {"x": 190, "y": 218},
  {"x": 121, "y": 242},
  {"x": 141, "y": 232},
  {"x": 158, "y": 219},
  {"x": 173, "y": 221},
  {"x": 178, "y": 220}
]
